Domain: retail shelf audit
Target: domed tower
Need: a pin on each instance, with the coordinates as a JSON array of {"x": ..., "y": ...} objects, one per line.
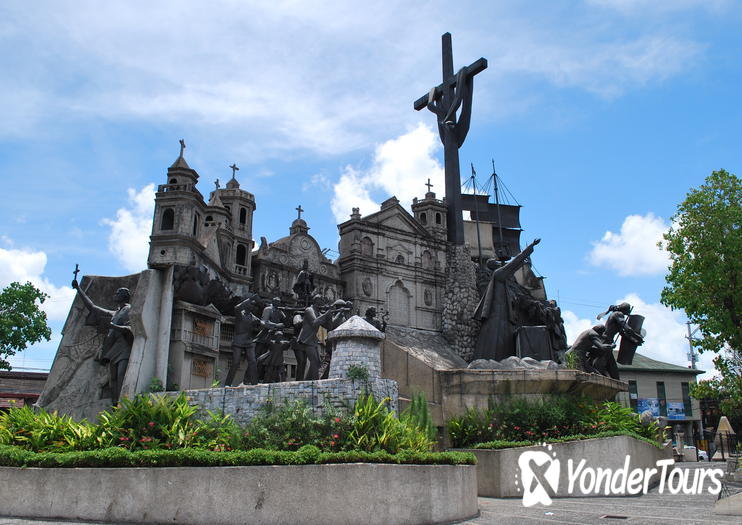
[
  {"x": 431, "y": 213},
  {"x": 240, "y": 206},
  {"x": 178, "y": 218}
]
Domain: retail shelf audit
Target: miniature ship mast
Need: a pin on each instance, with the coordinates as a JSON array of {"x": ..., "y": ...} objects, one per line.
[{"x": 500, "y": 252}]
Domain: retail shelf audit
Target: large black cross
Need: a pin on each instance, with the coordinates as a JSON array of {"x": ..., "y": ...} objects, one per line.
[{"x": 445, "y": 100}]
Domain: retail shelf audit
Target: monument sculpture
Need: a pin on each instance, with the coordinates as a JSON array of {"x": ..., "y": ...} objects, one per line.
[
  {"x": 590, "y": 348},
  {"x": 370, "y": 318},
  {"x": 273, "y": 319},
  {"x": 116, "y": 346},
  {"x": 451, "y": 102},
  {"x": 307, "y": 343},
  {"x": 621, "y": 322},
  {"x": 246, "y": 324},
  {"x": 274, "y": 363},
  {"x": 495, "y": 309},
  {"x": 445, "y": 100},
  {"x": 304, "y": 285}
]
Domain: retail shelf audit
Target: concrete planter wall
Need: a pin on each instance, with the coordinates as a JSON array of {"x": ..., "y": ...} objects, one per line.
[
  {"x": 328, "y": 494},
  {"x": 497, "y": 469}
]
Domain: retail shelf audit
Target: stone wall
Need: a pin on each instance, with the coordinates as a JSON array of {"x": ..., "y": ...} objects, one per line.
[
  {"x": 460, "y": 299},
  {"x": 244, "y": 402}
]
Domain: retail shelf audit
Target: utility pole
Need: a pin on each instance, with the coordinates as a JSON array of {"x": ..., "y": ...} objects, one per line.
[{"x": 692, "y": 356}]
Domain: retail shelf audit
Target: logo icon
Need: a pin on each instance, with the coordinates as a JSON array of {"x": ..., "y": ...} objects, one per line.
[{"x": 539, "y": 474}]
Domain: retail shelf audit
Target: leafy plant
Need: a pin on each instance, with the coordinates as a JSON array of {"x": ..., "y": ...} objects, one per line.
[
  {"x": 358, "y": 373},
  {"x": 418, "y": 414},
  {"x": 522, "y": 420},
  {"x": 293, "y": 424},
  {"x": 155, "y": 385},
  {"x": 376, "y": 427}
]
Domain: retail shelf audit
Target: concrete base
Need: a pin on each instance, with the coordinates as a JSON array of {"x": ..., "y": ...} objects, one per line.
[
  {"x": 497, "y": 469},
  {"x": 731, "y": 506},
  {"x": 328, "y": 494},
  {"x": 451, "y": 392}
]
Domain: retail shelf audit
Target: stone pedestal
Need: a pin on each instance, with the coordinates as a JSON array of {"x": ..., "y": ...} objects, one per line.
[
  {"x": 356, "y": 343},
  {"x": 460, "y": 301}
]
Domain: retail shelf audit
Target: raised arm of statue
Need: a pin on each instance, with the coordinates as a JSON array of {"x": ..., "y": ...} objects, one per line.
[
  {"x": 516, "y": 262},
  {"x": 89, "y": 304}
]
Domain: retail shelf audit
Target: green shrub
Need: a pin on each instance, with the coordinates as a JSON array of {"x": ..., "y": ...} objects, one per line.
[
  {"x": 418, "y": 414},
  {"x": 610, "y": 416},
  {"x": 13, "y": 456},
  {"x": 293, "y": 424},
  {"x": 565, "y": 439},
  {"x": 549, "y": 419},
  {"x": 358, "y": 373},
  {"x": 42, "y": 430},
  {"x": 521, "y": 420},
  {"x": 375, "y": 427}
]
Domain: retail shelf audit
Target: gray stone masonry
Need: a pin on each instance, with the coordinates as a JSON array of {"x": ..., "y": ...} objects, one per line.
[
  {"x": 459, "y": 302},
  {"x": 357, "y": 343},
  {"x": 244, "y": 402}
]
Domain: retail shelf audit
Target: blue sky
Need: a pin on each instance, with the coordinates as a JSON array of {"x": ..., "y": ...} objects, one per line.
[{"x": 599, "y": 114}]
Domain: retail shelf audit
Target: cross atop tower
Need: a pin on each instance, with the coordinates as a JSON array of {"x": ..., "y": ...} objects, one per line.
[
  {"x": 216, "y": 183},
  {"x": 182, "y": 146},
  {"x": 235, "y": 169},
  {"x": 429, "y": 185},
  {"x": 298, "y": 208}
]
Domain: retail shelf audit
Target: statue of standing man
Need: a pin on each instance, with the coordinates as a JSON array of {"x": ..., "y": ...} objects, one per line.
[
  {"x": 117, "y": 344},
  {"x": 495, "y": 310}
]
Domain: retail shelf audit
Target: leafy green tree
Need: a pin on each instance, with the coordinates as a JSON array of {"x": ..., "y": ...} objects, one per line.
[
  {"x": 705, "y": 247},
  {"x": 22, "y": 322}
]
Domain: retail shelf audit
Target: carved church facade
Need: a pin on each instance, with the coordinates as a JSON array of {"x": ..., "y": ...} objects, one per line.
[{"x": 395, "y": 261}]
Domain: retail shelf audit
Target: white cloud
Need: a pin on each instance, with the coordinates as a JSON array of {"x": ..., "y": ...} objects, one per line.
[
  {"x": 284, "y": 76},
  {"x": 574, "y": 325},
  {"x": 130, "y": 230},
  {"x": 400, "y": 167},
  {"x": 28, "y": 265},
  {"x": 665, "y": 333},
  {"x": 634, "y": 250}
]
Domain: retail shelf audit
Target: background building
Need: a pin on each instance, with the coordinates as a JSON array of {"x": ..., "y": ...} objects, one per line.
[{"x": 664, "y": 389}]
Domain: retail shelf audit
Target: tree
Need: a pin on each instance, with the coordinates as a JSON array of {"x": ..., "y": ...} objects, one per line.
[
  {"x": 705, "y": 247},
  {"x": 22, "y": 322}
]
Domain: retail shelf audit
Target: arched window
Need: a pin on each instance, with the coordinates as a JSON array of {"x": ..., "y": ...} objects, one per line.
[
  {"x": 367, "y": 247},
  {"x": 168, "y": 219},
  {"x": 437, "y": 218},
  {"x": 423, "y": 218},
  {"x": 243, "y": 215},
  {"x": 400, "y": 259},
  {"x": 209, "y": 219},
  {"x": 173, "y": 181},
  {"x": 241, "y": 255}
]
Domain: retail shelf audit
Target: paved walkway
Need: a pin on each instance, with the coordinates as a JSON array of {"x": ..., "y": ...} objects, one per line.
[{"x": 650, "y": 509}]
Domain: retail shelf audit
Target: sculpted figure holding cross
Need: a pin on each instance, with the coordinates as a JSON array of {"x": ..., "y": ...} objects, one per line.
[{"x": 445, "y": 100}]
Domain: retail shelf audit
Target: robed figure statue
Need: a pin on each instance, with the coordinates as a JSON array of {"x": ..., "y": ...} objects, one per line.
[{"x": 496, "y": 309}]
